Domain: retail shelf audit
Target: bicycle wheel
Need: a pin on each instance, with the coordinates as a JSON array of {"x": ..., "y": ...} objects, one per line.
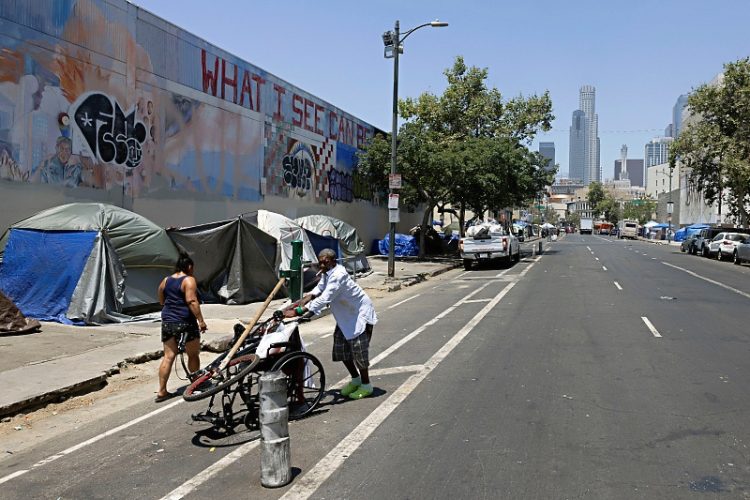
[
  {"x": 209, "y": 384},
  {"x": 306, "y": 382}
]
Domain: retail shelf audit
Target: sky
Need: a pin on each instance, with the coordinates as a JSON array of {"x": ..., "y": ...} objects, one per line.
[{"x": 639, "y": 54}]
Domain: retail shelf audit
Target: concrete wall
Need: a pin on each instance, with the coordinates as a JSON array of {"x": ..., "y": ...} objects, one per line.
[{"x": 103, "y": 101}]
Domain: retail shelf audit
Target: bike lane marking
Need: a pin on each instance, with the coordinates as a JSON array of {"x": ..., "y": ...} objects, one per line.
[
  {"x": 306, "y": 486},
  {"x": 403, "y": 301},
  {"x": 199, "y": 479},
  {"x": 92, "y": 440}
]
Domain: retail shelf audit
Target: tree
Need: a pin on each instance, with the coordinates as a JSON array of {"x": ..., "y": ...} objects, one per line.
[
  {"x": 467, "y": 147},
  {"x": 595, "y": 197},
  {"x": 639, "y": 210},
  {"x": 610, "y": 207},
  {"x": 715, "y": 147}
]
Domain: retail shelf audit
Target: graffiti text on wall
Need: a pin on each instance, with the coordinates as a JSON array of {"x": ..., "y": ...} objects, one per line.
[
  {"x": 340, "y": 186},
  {"x": 112, "y": 136},
  {"x": 221, "y": 78},
  {"x": 298, "y": 169}
]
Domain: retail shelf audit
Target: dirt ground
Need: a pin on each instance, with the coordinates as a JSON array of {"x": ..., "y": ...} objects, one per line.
[{"x": 133, "y": 383}]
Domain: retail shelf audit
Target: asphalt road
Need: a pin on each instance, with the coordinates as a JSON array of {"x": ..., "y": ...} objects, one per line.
[{"x": 603, "y": 369}]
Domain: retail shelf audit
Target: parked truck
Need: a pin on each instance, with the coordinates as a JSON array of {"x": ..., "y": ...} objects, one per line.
[
  {"x": 628, "y": 229},
  {"x": 587, "y": 225},
  {"x": 488, "y": 242}
]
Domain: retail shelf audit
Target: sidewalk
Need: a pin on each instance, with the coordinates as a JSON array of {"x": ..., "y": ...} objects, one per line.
[{"x": 61, "y": 361}]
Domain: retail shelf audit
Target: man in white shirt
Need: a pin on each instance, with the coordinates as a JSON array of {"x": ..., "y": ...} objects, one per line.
[{"x": 355, "y": 317}]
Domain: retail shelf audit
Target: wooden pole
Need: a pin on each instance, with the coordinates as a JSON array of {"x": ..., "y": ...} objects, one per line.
[{"x": 250, "y": 325}]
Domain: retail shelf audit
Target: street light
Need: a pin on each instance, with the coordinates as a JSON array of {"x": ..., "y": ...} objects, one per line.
[
  {"x": 392, "y": 41},
  {"x": 670, "y": 207}
]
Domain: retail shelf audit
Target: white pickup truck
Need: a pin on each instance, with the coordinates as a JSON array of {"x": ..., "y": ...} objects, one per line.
[{"x": 488, "y": 242}]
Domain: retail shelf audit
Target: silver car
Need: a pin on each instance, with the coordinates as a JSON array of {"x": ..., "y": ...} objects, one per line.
[
  {"x": 725, "y": 244},
  {"x": 742, "y": 251}
]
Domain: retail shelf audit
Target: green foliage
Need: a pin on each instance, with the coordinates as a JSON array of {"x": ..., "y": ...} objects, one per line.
[
  {"x": 715, "y": 147},
  {"x": 596, "y": 197},
  {"x": 610, "y": 208},
  {"x": 640, "y": 210},
  {"x": 467, "y": 147}
]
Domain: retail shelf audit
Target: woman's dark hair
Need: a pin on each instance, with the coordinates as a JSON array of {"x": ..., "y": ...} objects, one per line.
[{"x": 183, "y": 263}]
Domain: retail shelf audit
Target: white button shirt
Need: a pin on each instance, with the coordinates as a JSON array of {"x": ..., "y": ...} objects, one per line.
[{"x": 350, "y": 305}]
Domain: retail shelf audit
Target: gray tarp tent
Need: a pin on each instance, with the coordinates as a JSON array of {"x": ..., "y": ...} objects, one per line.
[
  {"x": 351, "y": 247},
  {"x": 234, "y": 260},
  {"x": 105, "y": 261}
]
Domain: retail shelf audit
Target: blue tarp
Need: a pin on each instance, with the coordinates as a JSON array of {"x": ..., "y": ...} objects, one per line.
[
  {"x": 680, "y": 234},
  {"x": 41, "y": 269},
  {"x": 405, "y": 245}
]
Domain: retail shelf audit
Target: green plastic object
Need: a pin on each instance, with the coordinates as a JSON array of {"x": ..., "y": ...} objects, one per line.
[{"x": 294, "y": 275}]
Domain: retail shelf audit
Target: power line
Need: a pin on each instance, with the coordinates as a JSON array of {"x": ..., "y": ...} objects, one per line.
[{"x": 634, "y": 131}]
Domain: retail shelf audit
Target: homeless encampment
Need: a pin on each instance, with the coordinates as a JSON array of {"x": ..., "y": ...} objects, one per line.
[
  {"x": 85, "y": 263},
  {"x": 12, "y": 319},
  {"x": 351, "y": 247},
  {"x": 234, "y": 260}
]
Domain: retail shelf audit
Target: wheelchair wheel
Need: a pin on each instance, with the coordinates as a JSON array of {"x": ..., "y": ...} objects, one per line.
[
  {"x": 306, "y": 382},
  {"x": 207, "y": 384}
]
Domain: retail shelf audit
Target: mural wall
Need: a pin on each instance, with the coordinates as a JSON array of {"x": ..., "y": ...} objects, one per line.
[{"x": 102, "y": 101}]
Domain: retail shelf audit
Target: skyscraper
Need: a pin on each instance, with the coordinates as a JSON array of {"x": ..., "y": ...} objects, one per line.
[
  {"x": 576, "y": 156},
  {"x": 634, "y": 171},
  {"x": 657, "y": 152},
  {"x": 587, "y": 104},
  {"x": 677, "y": 110},
  {"x": 547, "y": 149}
]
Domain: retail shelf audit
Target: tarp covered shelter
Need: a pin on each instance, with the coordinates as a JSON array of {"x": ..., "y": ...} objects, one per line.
[
  {"x": 235, "y": 261},
  {"x": 85, "y": 263},
  {"x": 285, "y": 230},
  {"x": 12, "y": 319},
  {"x": 351, "y": 246}
]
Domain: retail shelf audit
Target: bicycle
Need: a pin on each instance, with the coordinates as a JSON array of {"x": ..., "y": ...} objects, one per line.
[{"x": 239, "y": 381}]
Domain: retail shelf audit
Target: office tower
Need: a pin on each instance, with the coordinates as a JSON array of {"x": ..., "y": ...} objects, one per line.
[
  {"x": 634, "y": 169},
  {"x": 657, "y": 152},
  {"x": 587, "y": 104},
  {"x": 669, "y": 131},
  {"x": 677, "y": 110},
  {"x": 622, "y": 174},
  {"x": 576, "y": 156},
  {"x": 547, "y": 149}
]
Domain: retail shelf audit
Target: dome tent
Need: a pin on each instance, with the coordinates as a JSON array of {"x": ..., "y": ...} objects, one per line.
[
  {"x": 351, "y": 247},
  {"x": 113, "y": 261}
]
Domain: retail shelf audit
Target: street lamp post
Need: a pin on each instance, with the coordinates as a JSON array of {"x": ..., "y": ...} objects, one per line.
[
  {"x": 392, "y": 41},
  {"x": 670, "y": 208}
]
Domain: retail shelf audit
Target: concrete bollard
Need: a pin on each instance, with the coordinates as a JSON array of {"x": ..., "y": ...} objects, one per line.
[{"x": 275, "y": 452}]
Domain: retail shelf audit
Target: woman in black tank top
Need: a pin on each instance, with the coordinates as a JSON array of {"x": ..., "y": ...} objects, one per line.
[{"x": 181, "y": 313}]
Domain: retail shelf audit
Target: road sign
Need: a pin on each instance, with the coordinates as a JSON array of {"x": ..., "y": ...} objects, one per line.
[
  {"x": 393, "y": 201},
  {"x": 393, "y": 215},
  {"x": 394, "y": 181}
]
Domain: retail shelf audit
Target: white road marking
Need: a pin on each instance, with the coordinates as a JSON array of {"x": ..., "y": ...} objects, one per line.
[
  {"x": 306, "y": 485},
  {"x": 651, "y": 327},
  {"x": 738, "y": 292},
  {"x": 597, "y": 258},
  {"x": 207, "y": 473},
  {"x": 604, "y": 268},
  {"x": 405, "y": 300},
  {"x": 201, "y": 478},
  {"x": 500, "y": 274},
  {"x": 618, "y": 286},
  {"x": 92, "y": 440},
  {"x": 589, "y": 248},
  {"x": 476, "y": 301},
  {"x": 396, "y": 369}
]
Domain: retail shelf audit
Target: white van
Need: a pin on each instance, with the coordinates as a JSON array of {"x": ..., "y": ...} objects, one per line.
[{"x": 628, "y": 229}]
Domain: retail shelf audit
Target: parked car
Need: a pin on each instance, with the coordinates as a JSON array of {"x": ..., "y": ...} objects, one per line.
[
  {"x": 724, "y": 244},
  {"x": 688, "y": 244},
  {"x": 742, "y": 251},
  {"x": 704, "y": 238}
]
